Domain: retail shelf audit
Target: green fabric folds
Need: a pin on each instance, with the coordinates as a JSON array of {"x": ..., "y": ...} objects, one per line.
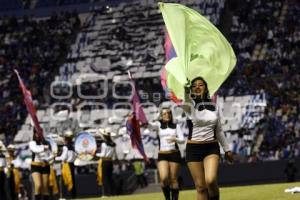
[{"x": 201, "y": 49}]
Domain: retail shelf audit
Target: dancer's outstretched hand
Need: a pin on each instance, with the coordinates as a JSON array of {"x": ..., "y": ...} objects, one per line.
[
  {"x": 187, "y": 86},
  {"x": 229, "y": 156}
]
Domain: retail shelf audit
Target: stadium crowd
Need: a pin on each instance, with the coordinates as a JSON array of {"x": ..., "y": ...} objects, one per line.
[
  {"x": 266, "y": 36},
  {"x": 266, "y": 43},
  {"x": 36, "y": 48}
]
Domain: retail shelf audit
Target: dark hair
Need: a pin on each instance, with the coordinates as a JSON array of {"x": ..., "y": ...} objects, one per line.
[
  {"x": 36, "y": 137},
  {"x": 169, "y": 111},
  {"x": 170, "y": 123},
  {"x": 108, "y": 140},
  {"x": 206, "y": 93}
]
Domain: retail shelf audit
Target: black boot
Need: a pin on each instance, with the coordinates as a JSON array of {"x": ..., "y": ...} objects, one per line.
[
  {"x": 46, "y": 197},
  {"x": 215, "y": 198},
  {"x": 166, "y": 191},
  {"x": 175, "y": 194},
  {"x": 37, "y": 197}
]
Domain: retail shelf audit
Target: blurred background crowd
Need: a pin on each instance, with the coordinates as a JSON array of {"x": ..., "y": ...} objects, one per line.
[{"x": 51, "y": 52}]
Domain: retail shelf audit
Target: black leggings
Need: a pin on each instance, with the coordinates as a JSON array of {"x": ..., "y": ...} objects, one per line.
[
  {"x": 73, "y": 192},
  {"x": 2, "y": 185},
  {"x": 11, "y": 185},
  {"x": 107, "y": 171}
]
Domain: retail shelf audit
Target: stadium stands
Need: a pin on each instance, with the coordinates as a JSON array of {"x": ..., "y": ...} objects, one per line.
[
  {"x": 35, "y": 48},
  {"x": 130, "y": 36},
  {"x": 263, "y": 34}
]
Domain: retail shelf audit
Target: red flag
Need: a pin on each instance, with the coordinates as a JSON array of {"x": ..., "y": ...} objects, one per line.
[
  {"x": 133, "y": 129},
  {"x": 137, "y": 108},
  {"x": 30, "y": 107}
]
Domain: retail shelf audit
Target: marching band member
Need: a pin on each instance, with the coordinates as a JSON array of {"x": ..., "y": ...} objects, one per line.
[
  {"x": 40, "y": 168},
  {"x": 105, "y": 165},
  {"x": 2, "y": 172},
  {"x": 169, "y": 158},
  {"x": 68, "y": 157},
  {"x": 53, "y": 185},
  {"x": 13, "y": 174}
]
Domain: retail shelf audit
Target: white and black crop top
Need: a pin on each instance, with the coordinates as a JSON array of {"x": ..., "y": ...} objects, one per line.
[
  {"x": 168, "y": 131},
  {"x": 206, "y": 125}
]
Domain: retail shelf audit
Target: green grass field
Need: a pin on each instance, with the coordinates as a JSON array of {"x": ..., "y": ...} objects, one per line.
[{"x": 256, "y": 192}]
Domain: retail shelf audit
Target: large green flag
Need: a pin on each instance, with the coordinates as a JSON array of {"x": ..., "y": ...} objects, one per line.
[{"x": 201, "y": 49}]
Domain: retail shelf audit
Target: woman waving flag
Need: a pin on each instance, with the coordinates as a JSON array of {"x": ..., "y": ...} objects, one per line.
[{"x": 200, "y": 47}]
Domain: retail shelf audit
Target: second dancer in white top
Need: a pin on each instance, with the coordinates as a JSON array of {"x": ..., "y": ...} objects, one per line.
[{"x": 169, "y": 158}]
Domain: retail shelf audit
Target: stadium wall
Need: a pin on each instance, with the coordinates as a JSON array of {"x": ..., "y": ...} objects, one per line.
[
  {"x": 229, "y": 175},
  {"x": 247, "y": 173}
]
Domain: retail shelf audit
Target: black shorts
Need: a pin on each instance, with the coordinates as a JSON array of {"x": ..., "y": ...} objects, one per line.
[
  {"x": 170, "y": 157},
  {"x": 197, "y": 152},
  {"x": 40, "y": 169}
]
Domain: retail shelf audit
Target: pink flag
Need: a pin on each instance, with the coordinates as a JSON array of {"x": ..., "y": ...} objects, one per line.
[
  {"x": 30, "y": 107},
  {"x": 133, "y": 122},
  {"x": 214, "y": 98},
  {"x": 134, "y": 131},
  {"x": 137, "y": 108},
  {"x": 169, "y": 53}
]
